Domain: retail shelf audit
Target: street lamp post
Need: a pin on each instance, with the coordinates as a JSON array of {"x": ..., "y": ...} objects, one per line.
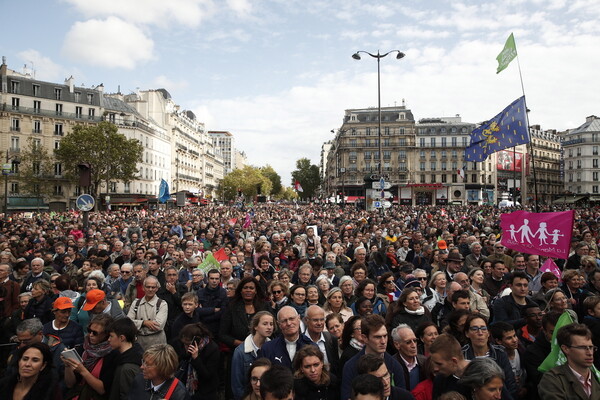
[
  {"x": 379, "y": 56},
  {"x": 6, "y": 170}
]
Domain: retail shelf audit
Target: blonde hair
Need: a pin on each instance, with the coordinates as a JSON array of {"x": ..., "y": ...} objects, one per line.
[{"x": 165, "y": 359}]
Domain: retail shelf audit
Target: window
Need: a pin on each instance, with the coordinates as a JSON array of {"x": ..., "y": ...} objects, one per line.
[
  {"x": 444, "y": 142},
  {"x": 433, "y": 179},
  {"x": 422, "y": 166},
  {"x": 444, "y": 178},
  {"x": 77, "y": 190},
  {"x": 595, "y": 163},
  {"x": 579, "y": 151},
  {"x": 570, "y": 164},
  {"x": 434, "y": 166},
  {"x": 444, "y": 153},
  {"x": 453, "y": 141},
  {"x": 56, "y": 144},
  {"x": 58, "y": 129},
  {"x": 91, "y": 113},
  {"x": 58, "y": 169},
  {"x": 422, "y": 178},
  {"x": 570, "y": 152},
  {"x": 15, "y": 103},
  {"x": 386, "y": 142},
  {"x": 36, "y": 168},
  {"x": 401, "y": 130},
  {"x": 14, "y": 187},
  {"x": 422, "y": 153},
  {"x": 595, "y": 176},
  {"x": 473, "y": 178},
  {"x": 352, "y": 142},
  {"x": 432, "y": 142},
  {"x": 112, "y": 118},
  {"x": 402, "y": 166},
  {"x": 58, "y": 94},
  {"x": 387, "y": 155},
  {"x": 402, "y": 141},
  {"x": 90, "y": 98},
  {"x": 37, "y": 126},
  {"x": 386, "y": 130},
  {"x": 127, "y": 187},
  {"x": 37, "y": 143},
  {"x": 454, "y": 154},
  {"x": 14, "y": 87},
  {"x": 595, "y": 150},
  {"x": 368, "y": 131},
  {"x": 595, "y": 189},
  {"x": 59, "y": 109},
  {"x": 402, "y": 154},
  {"x": 464, "y": 142},
  {"x": 36, "y": 90},
  {"x": 58, "y": 190},
  {"x": 37, "y": 106},
  {"x": 113, "y": 187},
  {"x": 367, "y": 155},
  {"x": 367, "y": 142},
  {"x": 78, "y": 112},
  {"x": 433, "y": 154},
  {"x": 454, "y": 178},
  {"x": 77, "y": 97},
  {"x": 578, "y": 164},
  {"x": 444, "y": 166},
  {"x": 14, "y": 143},
  {"x": 422, "y": 142},
  {"x": 15, "y": 125}
]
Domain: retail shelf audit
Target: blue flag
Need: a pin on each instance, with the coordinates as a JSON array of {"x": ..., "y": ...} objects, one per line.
[
  {"x": 507, "y": 129},
  {"x": 163, "y": 191}
]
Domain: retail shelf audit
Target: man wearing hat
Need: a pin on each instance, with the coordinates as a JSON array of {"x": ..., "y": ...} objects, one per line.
[
  {"x": 405, "y": 269},
  {"x": 454, "y": 264},
  {"x": 331, "y": 277},
  {"x": 69, "y": 332},
  {"x": 97, "y": 303}
]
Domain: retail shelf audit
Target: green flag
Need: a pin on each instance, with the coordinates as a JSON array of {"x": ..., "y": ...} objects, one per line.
[
  {"x": 556, "y": 356},
  {"x": 209, "y": 263},
  {"x": 507, "y": 54}
]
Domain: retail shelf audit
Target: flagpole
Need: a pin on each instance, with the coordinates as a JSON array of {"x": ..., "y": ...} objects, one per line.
[{"x": 529, "y": 145}]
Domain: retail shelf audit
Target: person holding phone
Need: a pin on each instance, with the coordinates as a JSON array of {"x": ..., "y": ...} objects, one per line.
[{"x": 199, "y": 362}]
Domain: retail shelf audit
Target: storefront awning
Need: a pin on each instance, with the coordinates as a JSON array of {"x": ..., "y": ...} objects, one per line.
[{"x": 568, "y": 200}]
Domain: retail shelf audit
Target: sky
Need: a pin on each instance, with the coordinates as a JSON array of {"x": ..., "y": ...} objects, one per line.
[{"x": 278, "y": 74}]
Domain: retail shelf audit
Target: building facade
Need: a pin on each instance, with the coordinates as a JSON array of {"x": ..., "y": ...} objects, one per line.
[
  {"x": 581, "y": 160},
  {"x": 224, "y": 142}
]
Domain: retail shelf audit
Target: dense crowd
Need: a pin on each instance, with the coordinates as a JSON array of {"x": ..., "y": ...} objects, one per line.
[{"x": 306, "y": 302}]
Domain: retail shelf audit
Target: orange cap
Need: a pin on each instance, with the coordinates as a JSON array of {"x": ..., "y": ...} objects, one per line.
[
  {"x": 62, "y": 303},
  {"x": 92, "y": 298}
]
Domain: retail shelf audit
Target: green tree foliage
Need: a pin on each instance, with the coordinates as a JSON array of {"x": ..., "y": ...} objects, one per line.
[
  {"x": 248, "y": 180},
  {"x": 287, "y": 193},
  {"x": 111, "y": 156},
  {"x": 308, "y": 176},
  {"x": 36, "y": 172},
  {"x": 274, "y": 177}
]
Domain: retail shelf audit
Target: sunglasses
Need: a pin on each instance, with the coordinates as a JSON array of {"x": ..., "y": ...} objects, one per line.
[
  {"x": 277, "y": 291},
  {"x": 125, "y": 272},
  {"x": 93, "y": 332}
]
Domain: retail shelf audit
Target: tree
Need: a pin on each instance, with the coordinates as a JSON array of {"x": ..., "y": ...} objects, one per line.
[
  {"x": 36, "y": 174},
  {"x": 248, "y": 179},
  {"x": 111, "y": 156},
  {"x": 307, "y": 175},
  {"x": 274, "y": 177}
]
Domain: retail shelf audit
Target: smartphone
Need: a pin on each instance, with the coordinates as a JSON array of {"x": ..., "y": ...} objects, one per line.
[{"x": 195, "y": 340}]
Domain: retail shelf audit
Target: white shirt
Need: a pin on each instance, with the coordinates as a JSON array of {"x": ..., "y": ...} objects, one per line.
[{"x": 291, "y": 348}]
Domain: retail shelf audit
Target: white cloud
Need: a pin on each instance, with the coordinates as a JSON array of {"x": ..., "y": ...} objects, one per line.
[
  {"x": 111, "y": 43},
  {"x": 154, "y": 12},
  {"x": 241, "y": 8},
  {"x": 163, "y": 81},
  {"x": 44, "y": 67}
]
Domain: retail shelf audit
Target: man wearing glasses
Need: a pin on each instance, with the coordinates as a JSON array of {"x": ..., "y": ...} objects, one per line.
[
  {"x": 119, "y": 287},
  {"x": 574, "y": 379},
  {"x": 150, "y": 315},
  {"x": 499, "y": 255},
  {"x": 412, "y": 363}
]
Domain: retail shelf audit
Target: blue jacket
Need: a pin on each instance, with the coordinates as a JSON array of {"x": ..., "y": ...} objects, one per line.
[
  {"x": 378, "y": 307},
  {"x": 497, "y": 354},
  {"x": 276, "y": 351},
  {"x": 243, "y": 357},
  {"x": 349, "y": 373}
]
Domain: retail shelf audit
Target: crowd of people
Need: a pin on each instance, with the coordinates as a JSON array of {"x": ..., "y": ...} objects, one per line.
[{"x": 304, "y": 301}]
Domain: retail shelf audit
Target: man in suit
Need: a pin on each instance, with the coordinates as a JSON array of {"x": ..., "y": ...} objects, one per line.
[
  {"x": 282, "y": 349},
  {"x": 315, "y": 323},
  {"x": 574, "y": 379},
  {"x": 412, "y": 363}
]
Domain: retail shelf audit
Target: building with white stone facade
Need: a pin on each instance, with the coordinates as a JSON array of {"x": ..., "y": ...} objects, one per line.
[{"x": 225, "y": 143}]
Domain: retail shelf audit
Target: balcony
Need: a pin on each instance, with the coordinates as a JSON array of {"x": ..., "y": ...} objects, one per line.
[{"x": 49, "y": 113}]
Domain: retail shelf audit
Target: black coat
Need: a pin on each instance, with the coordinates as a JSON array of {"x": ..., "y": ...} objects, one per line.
[
  {"x": 206, "y": 365},
  {"x": 40, "y": 309},
  {"x": 235, "y": 324},
  {"x": 304, "y": 389}
]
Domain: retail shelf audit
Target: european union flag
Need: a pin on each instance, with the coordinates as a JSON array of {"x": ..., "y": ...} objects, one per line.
[
  {"x": 507, "y": 129},
  {"x": 163, "y": 191}
]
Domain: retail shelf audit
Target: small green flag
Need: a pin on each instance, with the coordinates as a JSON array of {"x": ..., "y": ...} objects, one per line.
[
  {"x": 556, "y": 356},
  {"x": 507, "y": 54},
  {"x": 209, "y": 263}
]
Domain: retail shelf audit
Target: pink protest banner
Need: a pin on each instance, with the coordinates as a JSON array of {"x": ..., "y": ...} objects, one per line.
[
  {"x": 550, "y": 266},
  {"x": 545, "y": 234}
]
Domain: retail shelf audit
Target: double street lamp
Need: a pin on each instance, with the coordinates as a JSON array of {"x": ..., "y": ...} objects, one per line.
[{"x": 379, "y": 56}]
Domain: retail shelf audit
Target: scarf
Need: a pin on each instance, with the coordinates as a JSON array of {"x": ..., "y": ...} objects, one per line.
[
  {"x": 418, "y": 311},
  {"x": 300, "y": 309},
  {"x": 191, "y": 382},
  {"x": 356, "y": 344},
  {"x": 94, "y": 352}
]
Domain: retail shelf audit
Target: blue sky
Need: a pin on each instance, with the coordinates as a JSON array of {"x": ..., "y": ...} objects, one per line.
[{"x": 278, "y": 74}]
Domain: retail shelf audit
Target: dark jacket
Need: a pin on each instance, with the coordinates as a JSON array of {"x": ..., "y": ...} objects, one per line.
[
  {"x": 497, "y": 354},
  {"x": 535, "y": 354},
  {"x": 349, "y": 373},
  {"x": 594, "y": 324},
  {"x": 71, "y": 335},
  {"x": 45, "y": 388},
  {"x": 206, "y": 365},
  {"x": 506, "y": 309},
  {"x": 333, "y": 355},
  {"x": 412, "y": 320},
  {"x": 141, "y": 389},
  {"x": 276, "y": 351},
  {"x": 561, "y": 384},
  {"x": 305, "y": 389},
  {"x": 235, "y": 323},
  {"x": 40, "y": 309},
  {"x": 29, "y": 280},
  {"x": 126, "y": 367},
  {"x": 182, "y": 320},
  {"x": 420, "y": 364},
  {"x": 209, "y": 300}
]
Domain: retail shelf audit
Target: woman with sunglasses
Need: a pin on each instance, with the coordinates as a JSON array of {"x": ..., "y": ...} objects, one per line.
[
  {"x": 386, "y": 288},
  {"x": 478, "y": 346},
  {"x": 84, "y": 378},
  {"x": 278, "y": 293}
]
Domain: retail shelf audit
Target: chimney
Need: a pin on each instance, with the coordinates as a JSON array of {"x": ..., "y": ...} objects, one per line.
[
  {"x": 100, "y": 88},
  {"x": 590, "y": 118},
  {"x": 71, "y": 83}
]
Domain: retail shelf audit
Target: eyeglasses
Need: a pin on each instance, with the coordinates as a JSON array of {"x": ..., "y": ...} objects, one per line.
[
  {"x": 424, "y": 278},
  {"x": 288, "y": 320},
  {"x": 277, "y": 291},
  {"x": 254, "y": 379},
  {"x": 410, "y": 341},
  {"x": 481, "y": 329},
  {"x": 584, "y": 348}
]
